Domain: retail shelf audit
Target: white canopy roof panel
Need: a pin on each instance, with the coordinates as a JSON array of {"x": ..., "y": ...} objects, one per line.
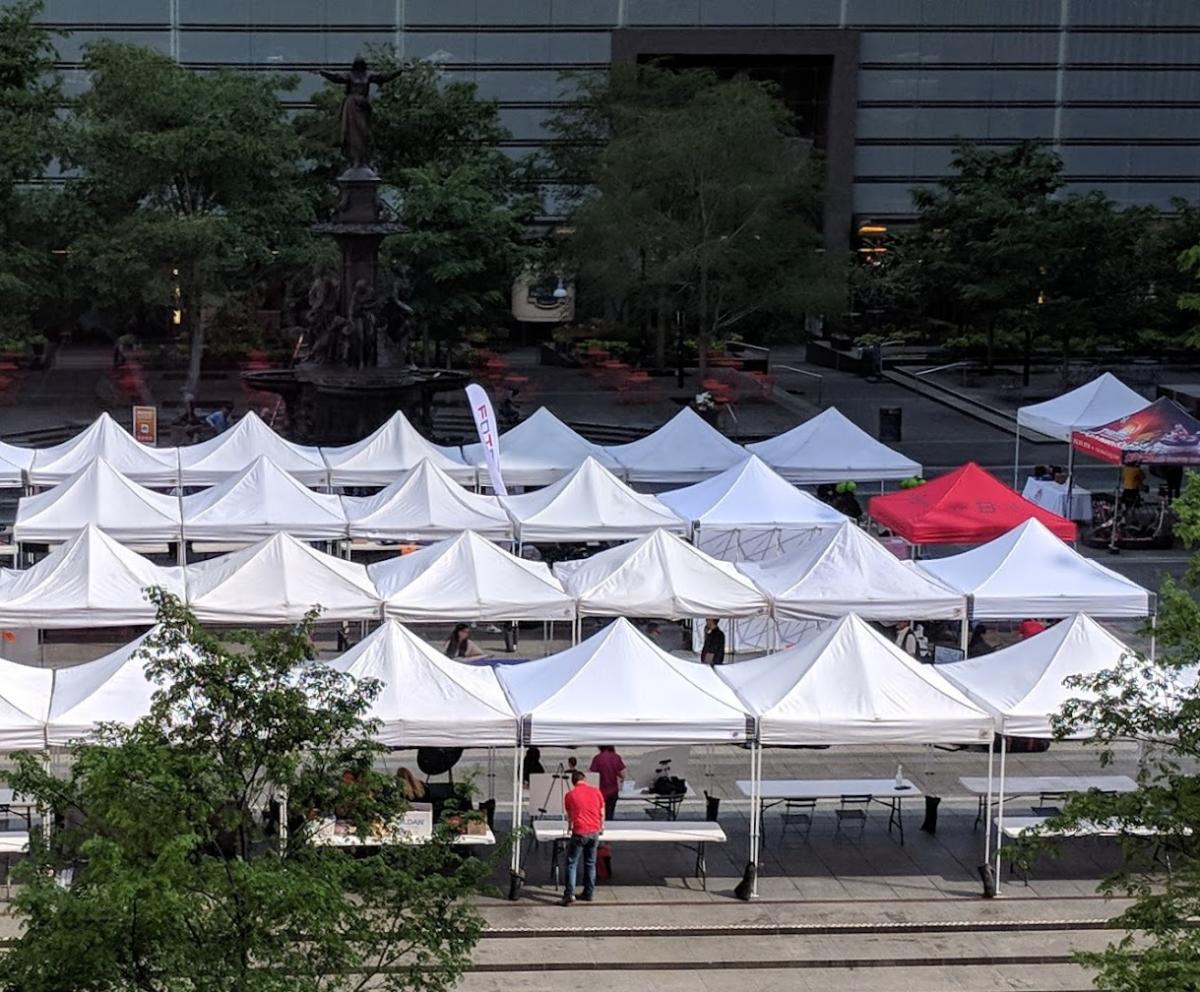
[
  {"x": 24, "y": 704},
  {"x": 1094, "y": 404},
  {"x": 388, "y": 454},
  {"x": 750, "y": 496},
  {"x": 90, "y": 581},
  {"x": 426, "y": 699},
  {"x": 685, "y": 449},
  {"x": 97, "y": 494},
  {"x": 112, "y": 689},
  {"x": 227, "y": 454},
  {"x": 1029, "y": 572},
  {"x": 468, "y": 578},
  {"x": 426, "y": 505},
  {"x": 14, "y": 463},
  {"x": 659, "y": 575},
  {"x": 590, "y": 504},
  {"x": 539, "y": 451},
  {"x": 619, "y": 688},
  {"x": 832, "y": 448},
  {"x": 850, "y": 685},
  {"x": 105, "y": 438},
  {"x": 1022, "y": 685},
  {"x": 278, "y": 580},
  {"x": 843, "y": 571},
  {"x": 258, "y": 501}
]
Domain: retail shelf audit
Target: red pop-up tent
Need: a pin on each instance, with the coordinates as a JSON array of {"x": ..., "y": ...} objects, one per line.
[
  {"x": 966, "y": 506},
  {"x": 1163, "y": 433}
]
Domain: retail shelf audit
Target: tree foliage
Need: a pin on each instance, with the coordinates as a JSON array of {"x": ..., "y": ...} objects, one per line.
[
  {"x": 30, "y": 92},
  {"x": 1155, "y": 705},
  {"x": 178, "y": 881},
  {"x": 189, "y": 183},
  {"x": 690, "y": 194}
]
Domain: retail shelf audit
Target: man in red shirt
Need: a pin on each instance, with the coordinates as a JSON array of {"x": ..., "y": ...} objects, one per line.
[{"x": 584, "y": 807}]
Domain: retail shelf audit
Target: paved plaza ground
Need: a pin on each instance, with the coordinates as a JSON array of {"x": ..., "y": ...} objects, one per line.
[{"x": 834, "y": 912}]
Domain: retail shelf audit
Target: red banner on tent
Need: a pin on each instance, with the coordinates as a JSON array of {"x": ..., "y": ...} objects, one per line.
[{"x": 1163, "y": 433}]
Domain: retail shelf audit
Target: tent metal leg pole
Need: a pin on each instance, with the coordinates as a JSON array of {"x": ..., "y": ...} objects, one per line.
[
  {"x": 964, "y": 637},
  {"x": 491, "y": 773},
  {"x": 1000, "y": 810},
  {"x": 516, "y": 810},
  {"x": 732, "y": 637},
  {"x": 1070, "y": 475},
  {"x": 1154, "y": 634},
  {"x": 987, "y": 806},
  {"x": 757, "y": 790}
]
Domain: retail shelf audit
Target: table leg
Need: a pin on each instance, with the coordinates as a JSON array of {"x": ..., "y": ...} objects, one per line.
[
  {"x": 555, "y": 852},
  {"x": 978, "y": 814},
  {"x": 895, "y": 817},
  {"x": 701, "y": 866}
]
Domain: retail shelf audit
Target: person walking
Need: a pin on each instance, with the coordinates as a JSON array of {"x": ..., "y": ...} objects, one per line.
[
  {"x": 610, "y": 768},
  {"x": 584, "y": 808}
]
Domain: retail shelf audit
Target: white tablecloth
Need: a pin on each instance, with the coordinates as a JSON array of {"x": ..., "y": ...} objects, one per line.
[{"x": 1053, "y": 497}]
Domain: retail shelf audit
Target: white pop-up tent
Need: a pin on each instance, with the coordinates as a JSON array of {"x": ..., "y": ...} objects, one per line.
[
  {"x": 659, "y": 575},
  {"x": 390, "y": 453},
  {"x": 426, "y": 505},
  {"x": 749, "y": 504},
  {"x": 24, "y": 704},
  {"x": 832, "y": 448},
  {"x": 1094, "y": 404},
  {"x": 15, "y": 463},
  {"x": 538, "y": 451},
  {"x": 112, "y": 689},
  {"x": 90, "y": 581},
  {"x": 279, "y": 580},
  {"x": 97, "y": 494},
  {"x": 468, "y": 578},
  {"x": 1029, "y": 572},
  {"x": 105, "y": 438},
  {"x": 227, "y": 454},
  {"x": 685, "y": 449},
  {"x": 619, "y": 688},
  {"x": 1022, "y": 685},
  {"x": 850, "y": 685},
  {"x": 589, "y": 504},
  {"x": 426, "y": 699},
  {"x": 843, "y": 571},
  {"x": 260, "y": 500}
]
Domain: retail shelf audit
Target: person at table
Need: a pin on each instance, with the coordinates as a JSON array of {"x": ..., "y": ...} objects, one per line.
[
  {"x": 713, "y": 650},
  {"x": 1030, "y": 628},
  {"x": 460, "y": 644},
  {"x": 610, "y": 768},
  {"x": 1041, "y": 474},
  {"x": 911, "y": 639},
  {"x": 532, "y": 765},
  {"x": 584, "y": 809},
  {"x": 979, "y": 643}
]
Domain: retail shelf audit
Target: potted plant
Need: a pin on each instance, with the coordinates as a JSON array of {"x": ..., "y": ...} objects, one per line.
[{"x": 475, "y": 823}]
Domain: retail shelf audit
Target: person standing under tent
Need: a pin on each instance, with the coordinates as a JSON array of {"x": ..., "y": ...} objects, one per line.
[
  {"x": 1132, "y": 480},
  {"x": 1030, "y": 628},
  {"x": 221, "y": 419},
  {"x": 584, "y": 809},
  {"x": 911, "y": 639},
  {"x": 460, "y": 644},
  {"x": 610, "y": 768},
  {"x": 713, "y": 650}
]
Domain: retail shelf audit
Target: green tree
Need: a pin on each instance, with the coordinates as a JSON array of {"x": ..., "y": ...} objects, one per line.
[
  {"x": 178, "y": 883},
  {"x": 1156, "y": 706},
  {"x": 972, "y": 247},
  {"x": 702, "y": 199},
  {"x": 30, "y": 93},
  {"x": 465, "y": 203},
  {"x": 191, "y": 185}
]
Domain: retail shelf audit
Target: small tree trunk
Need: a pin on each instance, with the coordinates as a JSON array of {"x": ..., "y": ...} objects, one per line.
[
  {"x": 195, "y": 321},
  {"x": 990, "y": 361},
  {"x": 1027, "y": 355},
  {"x": 660, "y": 336}
]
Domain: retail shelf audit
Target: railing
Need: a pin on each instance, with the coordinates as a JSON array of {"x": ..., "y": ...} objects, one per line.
[{"x": 812, "y": 375}]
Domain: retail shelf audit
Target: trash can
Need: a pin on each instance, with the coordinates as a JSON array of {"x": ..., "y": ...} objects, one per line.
[{"x": 890, "y": 419}]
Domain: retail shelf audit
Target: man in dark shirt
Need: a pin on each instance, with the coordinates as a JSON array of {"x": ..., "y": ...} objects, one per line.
[
  {"x": 713, "y": 651},
  {"x": 584, "y": 808}
]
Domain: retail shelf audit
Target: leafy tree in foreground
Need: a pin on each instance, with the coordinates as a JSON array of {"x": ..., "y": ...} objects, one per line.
[
  {"x": 191, "y": 185},
  {"x": 702, "y": 199},
  {"x": 1156, "y": 706},
  {"x": 178, "y": 885}
]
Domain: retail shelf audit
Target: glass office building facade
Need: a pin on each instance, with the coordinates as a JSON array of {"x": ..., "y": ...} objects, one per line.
[{"x": 884, "y": 87}]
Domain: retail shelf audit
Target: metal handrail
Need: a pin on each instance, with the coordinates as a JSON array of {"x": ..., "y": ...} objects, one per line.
[{"x": 943, "y": 368}]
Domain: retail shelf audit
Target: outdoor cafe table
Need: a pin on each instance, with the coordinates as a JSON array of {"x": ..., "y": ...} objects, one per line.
[
  {"x": 693, "y": 835},
  {"x": 1045, "y": 785},
  {"x": 1052, "y": 496},
  {"x": 884, "y": 791}
]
